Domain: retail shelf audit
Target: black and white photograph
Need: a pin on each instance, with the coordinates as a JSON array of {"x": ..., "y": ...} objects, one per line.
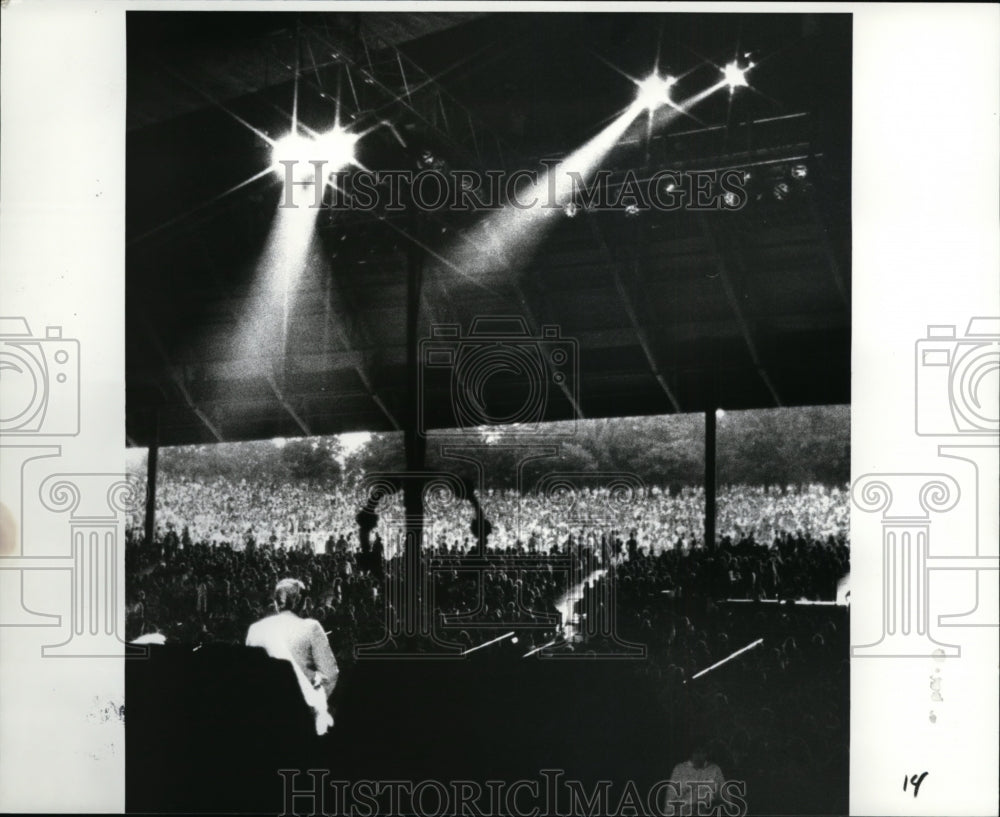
[
  {"x": 492, "y": 374},
  {"x": 499, "y": 409}
]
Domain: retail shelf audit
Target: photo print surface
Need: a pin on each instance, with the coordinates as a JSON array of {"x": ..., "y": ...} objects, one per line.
[
  {"x": 470, "y": 410},
  {"x": 577, "y": 288}
]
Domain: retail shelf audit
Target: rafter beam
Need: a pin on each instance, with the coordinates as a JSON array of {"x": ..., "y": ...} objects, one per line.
[
  {"x": 354, "y": 336},
  {"x": 819, "y": 214},
  {"x": 180, "y": 385},
  {"x": 637, "y": 327},
  {"x": 734, "y": 304},
  {"x": 426, "y": 84},
  {"x": 278, "y": 394},
  {"x": 303, "y": 426},
  {"x": 535, "y": 326}
]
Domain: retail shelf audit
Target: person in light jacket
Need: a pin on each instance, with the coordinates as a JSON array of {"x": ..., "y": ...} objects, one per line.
[{"x": 301, "y": 641}]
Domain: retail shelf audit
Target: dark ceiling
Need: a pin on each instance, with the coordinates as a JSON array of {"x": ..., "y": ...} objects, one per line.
[{"x": 663, "y": 311}]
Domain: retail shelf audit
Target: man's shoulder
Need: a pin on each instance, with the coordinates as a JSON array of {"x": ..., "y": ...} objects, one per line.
[
  {"x": 687, "y": 770},
  {"x": 309, "y": 625},
  {"x": 264, "y": 624}
]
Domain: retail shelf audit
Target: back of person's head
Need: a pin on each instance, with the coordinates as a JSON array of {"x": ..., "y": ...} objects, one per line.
[
  {"x": 288, "y": 595},
  {"x": 699, "y": 753}
]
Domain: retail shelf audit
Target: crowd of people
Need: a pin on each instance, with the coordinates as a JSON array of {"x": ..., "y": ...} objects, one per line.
[
  {"x": 306, "y": 515},
  {"x": 552, "y": 577},
  {"x": 198, "y": 589}
]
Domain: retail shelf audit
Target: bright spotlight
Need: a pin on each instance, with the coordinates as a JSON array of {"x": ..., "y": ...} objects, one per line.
[
  {"x": 654, "y": 91},
  {"x": 337, "y": 148},
  {"x": 331, "y": 151},
  {"x": 736, "y": 76},
  {"x": 298, "y": 149}
]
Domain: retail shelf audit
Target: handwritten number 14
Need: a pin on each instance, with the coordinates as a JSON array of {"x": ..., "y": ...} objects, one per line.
[{"x": 915, "y": 781}]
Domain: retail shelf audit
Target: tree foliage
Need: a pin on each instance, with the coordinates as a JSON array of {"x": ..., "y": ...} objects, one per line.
[
  {"x": 780, "y": 446},
  {"x": 313, "y": 458},
  {"x": 783, "y": 446}
]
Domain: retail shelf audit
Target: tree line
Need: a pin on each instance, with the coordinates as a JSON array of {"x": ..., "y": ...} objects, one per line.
[{"x": 763, "y": 447}]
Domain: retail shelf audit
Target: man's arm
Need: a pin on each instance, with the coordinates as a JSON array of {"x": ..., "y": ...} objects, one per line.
[{"x": 323, "y": 658}]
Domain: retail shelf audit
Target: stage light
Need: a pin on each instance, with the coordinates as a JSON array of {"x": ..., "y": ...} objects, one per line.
[
  {"x": 298, "y": 149},
  {"x": 730, "y": 198},
  {"x": 571, "y": 209},
  {"x": 736, "y": 76},
  {"x": 799, "y": 171},
  {"x": 334, "y": 149},
  {"x": 654, "y": 91},
  {"x": 431, "y": 161},
  {"x": 632, "y": 210},
  {"x": 781, "y": 191},
  {"x": 337, "y": 148}
]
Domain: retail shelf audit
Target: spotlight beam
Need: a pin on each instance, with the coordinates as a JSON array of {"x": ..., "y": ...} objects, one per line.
[
  {"x": 727, "y": 659},
  {"x": 512, "y": 233},
  {"x": 552, "y": 643},
  {"x": 225, "y": 109},
  {"x": 488, "y": 643},
  {"x": 433, "y": 254}
]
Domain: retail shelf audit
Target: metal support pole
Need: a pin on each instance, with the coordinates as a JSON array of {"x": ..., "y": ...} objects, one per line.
[
  {"x": 710, "y": 478},
  {"x": 414, "y": 443},
  {"x": 151, "y": 462}
]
